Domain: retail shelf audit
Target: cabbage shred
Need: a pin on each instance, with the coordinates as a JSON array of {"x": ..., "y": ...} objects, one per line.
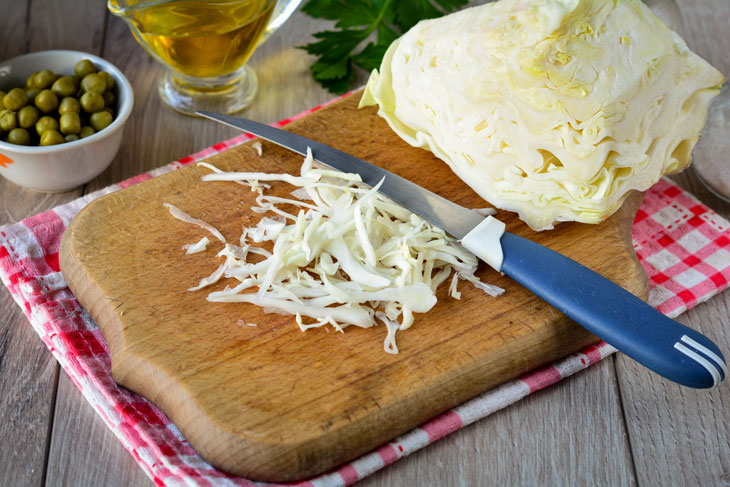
[{"x": 347, "y": 255}]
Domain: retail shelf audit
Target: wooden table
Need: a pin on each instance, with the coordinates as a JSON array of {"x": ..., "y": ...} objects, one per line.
[{"x": 613, "y": 424}]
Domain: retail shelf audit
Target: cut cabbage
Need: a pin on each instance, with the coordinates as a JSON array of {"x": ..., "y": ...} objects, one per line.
[
  {"x": 181, "y": 215},
  {"x": 554, "y": 109},
  {"x": 346, "y": 255},
  {"x": 258, "y": 147},
  {"x": 200, "y": 246}
]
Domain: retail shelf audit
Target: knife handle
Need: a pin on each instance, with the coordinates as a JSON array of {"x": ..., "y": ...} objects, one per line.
[{"x": 665, "y": 346}]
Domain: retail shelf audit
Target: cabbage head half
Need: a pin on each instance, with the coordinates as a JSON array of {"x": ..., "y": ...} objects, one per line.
[{"x": 554, "y": 109}]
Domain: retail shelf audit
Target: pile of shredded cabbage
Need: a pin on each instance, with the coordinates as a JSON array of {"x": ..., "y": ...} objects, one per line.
[{"x": 346, "y": 255}]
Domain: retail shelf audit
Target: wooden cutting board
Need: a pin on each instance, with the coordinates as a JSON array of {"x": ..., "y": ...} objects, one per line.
[{"x": 274, "y": 403}]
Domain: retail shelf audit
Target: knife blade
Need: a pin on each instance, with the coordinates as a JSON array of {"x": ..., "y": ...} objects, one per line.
[{"x": 663, "y": 345}]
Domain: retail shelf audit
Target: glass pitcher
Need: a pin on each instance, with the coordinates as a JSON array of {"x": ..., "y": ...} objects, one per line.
[{"x": 205, "y": 45}]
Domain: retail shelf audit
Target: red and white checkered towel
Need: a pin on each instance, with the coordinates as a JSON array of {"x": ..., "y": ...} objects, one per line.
[{"x": 683, "y": 245}]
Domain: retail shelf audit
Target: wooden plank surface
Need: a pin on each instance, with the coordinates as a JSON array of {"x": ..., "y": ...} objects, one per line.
[
  {"x": 540, "y": 440},
  {"x": 28, "y": 378},
  {"x": 495, "y": 451},
  {"x": 75, "y": 461},
  {"x": 28, "y": 373},
  {"x": 679, "y": 436}
]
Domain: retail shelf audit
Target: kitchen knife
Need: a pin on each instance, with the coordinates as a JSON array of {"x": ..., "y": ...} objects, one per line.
[{"x": 607, "y": 310}]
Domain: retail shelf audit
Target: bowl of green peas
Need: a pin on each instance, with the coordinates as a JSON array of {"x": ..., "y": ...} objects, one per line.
[{"x": 62, "y": 116}]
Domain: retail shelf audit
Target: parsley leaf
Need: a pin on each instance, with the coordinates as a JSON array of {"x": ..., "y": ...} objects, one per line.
[{"x": 338, "y": 50}]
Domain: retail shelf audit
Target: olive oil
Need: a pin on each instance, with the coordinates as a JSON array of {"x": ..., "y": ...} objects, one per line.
[{"x": 198, "y": 38}]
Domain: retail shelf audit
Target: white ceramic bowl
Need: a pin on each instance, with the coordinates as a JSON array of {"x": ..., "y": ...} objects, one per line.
[{"x": 62, "y": 167}]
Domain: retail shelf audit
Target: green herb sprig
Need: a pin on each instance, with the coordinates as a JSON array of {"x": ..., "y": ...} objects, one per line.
[{"x": 338, "y": 50}]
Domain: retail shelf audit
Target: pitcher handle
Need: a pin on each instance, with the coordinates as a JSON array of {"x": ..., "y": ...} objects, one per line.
[{"x": 282, "y": 12}]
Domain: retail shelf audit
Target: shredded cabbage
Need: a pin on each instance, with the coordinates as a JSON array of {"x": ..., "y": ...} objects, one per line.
[
  {"x": 181, "y": 215},
  {"x": 258, "y": 147},
  {"x": 200, "y": 246},
  {"x": 347, "y": 255}
]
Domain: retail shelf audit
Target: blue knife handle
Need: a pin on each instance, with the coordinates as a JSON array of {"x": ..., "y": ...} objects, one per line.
[{"x": 610, "y": 312}]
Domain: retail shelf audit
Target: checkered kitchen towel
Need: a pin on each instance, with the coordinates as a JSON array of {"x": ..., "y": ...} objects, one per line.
[{"x": 683, "y": 245}]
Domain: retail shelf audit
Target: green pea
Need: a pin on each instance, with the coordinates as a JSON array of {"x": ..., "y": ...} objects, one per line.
[
  {"x": 29, "y": 80},
  {"x": 93, "y": 82},
  {"x": 8, "y": 120},
  {"x": 19, "y": 137},
  {"x": 51, "y": 137},
  {"x": 69, "y": 104},
  {"x": 109, "y": 98},
  {"x": 46, "y": 101},
  {"x": 28, "y": 116},
  {"x": 91, "y": 101},
  {"x": 16, "y": 99},
  {"x": 70, "y": 123},
  {"x": 32, "y": 93},
  {"x": 44, "y": 124},
  {"x": 44, "y": 79},
  {"x": 86, "y": 131},
  {"x": 84, "y": 67},
  {"x": 109, "y": 80},
  {"x": 64, "y": 86},
  {"x": 101, "y": 120},
  {"x": 71, "y": 138}
]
